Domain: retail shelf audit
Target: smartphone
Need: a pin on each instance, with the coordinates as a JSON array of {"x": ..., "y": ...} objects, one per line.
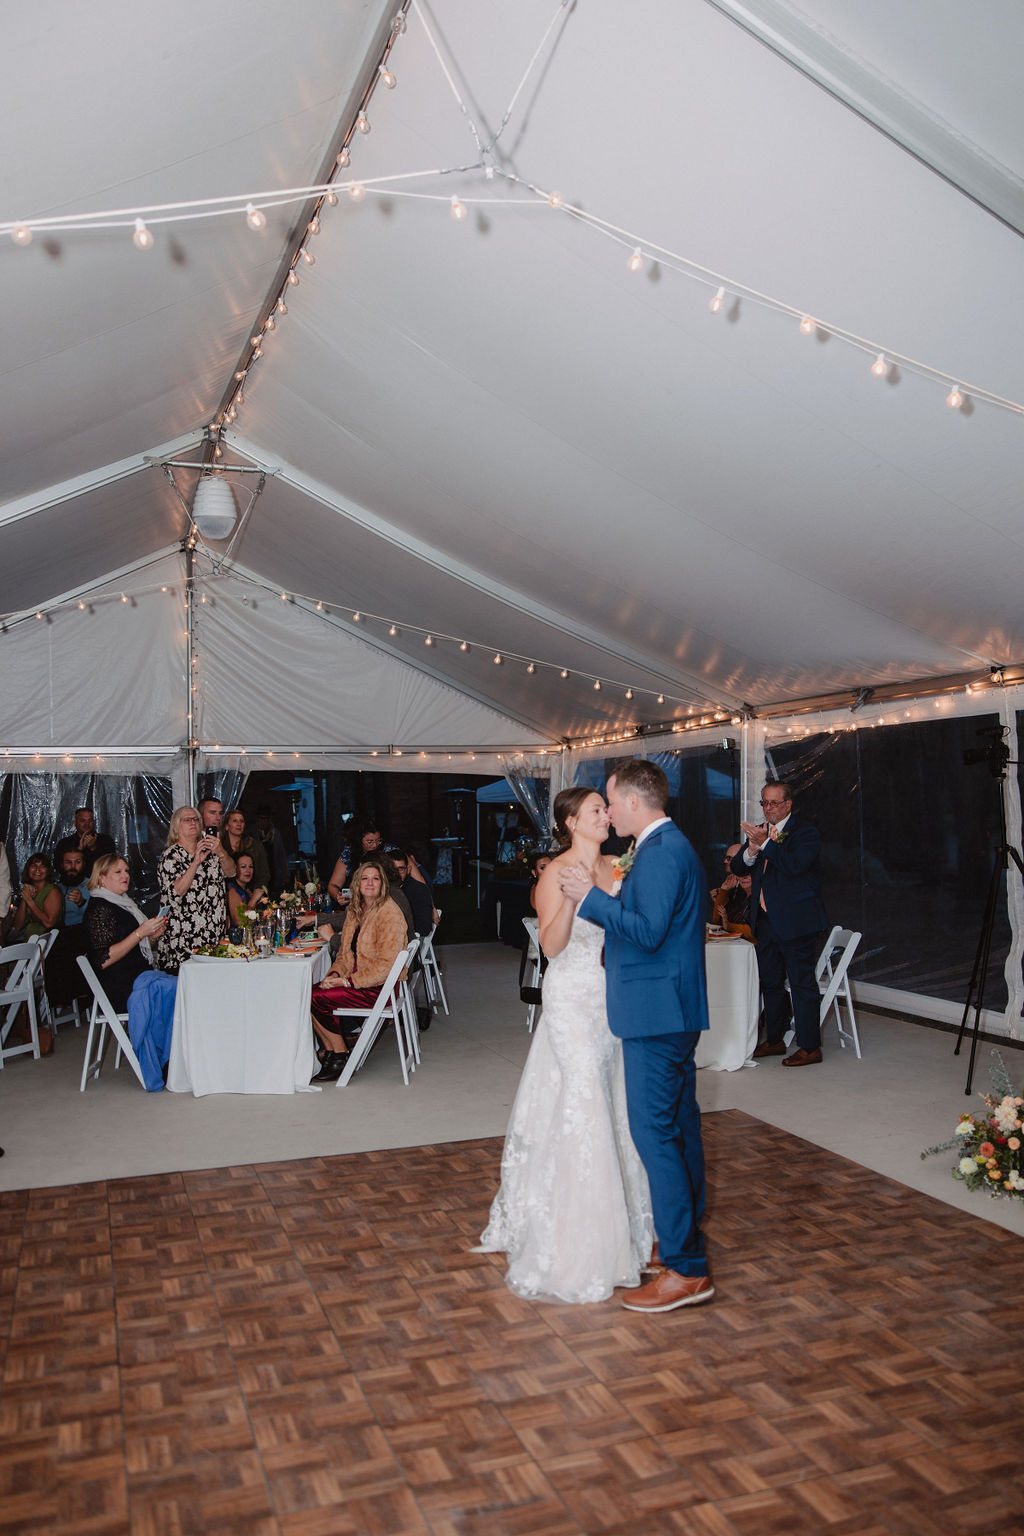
[
  {"x": 163, "y": 911},
  {"x": 346, "y": 893}
]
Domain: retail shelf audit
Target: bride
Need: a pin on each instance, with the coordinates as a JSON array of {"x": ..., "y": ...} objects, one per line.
[{"x": 573, "y": 1213}]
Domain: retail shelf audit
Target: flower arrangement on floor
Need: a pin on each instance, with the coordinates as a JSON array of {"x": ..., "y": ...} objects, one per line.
[{"x": 991, "y": 1145}]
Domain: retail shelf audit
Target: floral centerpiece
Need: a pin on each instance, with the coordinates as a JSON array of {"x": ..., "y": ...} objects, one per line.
[{"x": 991, "y": 1145}]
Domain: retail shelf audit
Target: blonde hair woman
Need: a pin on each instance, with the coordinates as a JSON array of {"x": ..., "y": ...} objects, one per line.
[{"x": 374, "y": 933}]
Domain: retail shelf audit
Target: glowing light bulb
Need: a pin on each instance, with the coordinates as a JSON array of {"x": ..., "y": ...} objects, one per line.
[
  {"x": 343, "y": 158},
  {"x": 629, "y": 693},
  {"x": 357, "y": 191},
  {"x": 332, "y": 198},
  {"x": 393, "y": 630},
  {"x": 597, "y": 685},
  {"x": 255, "y": 217},
  {"x": 142, "y": 239},
  {"x": 257, "y": 352},
  {"x": 717, "y": 304},
  {"x": 429, "y": 640},
  {"x": 281, "y": 307},
  {"x": 356, "y": 616},
  {"x": 458, "y": 210},
  {"x": 497, "y": 659},
  {"x": 293, "y": 278},
  {"x": 363, "y": 123},
  {"x": 564, "y": 672},
  {"x": 271, "y": 324},
  {"x": 555, "y": 200},
  {"x": 808, "y": 326},
  {"x": 21, "y": 234},
  {"x": 464, "y": 646},
  {"x": 319, "y": 607},
  {"x": 531, "y": 669},
  {"x": 387, "y": 79},
  {"x": 636, "y": 260},
  {"x": 308, "y": 257},
  {"x": 661, "y": 698},
  {"x": 954, "y": 399},
  {"x": 313, "y": 227},
  {"x": 880, "y": 367}
]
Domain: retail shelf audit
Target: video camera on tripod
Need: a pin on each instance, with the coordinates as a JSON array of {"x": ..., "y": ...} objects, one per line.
[{"x": 996, "y": 754}]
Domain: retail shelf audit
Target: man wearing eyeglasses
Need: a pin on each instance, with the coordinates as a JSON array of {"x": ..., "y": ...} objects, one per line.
[{"x": 782, "y": 858}]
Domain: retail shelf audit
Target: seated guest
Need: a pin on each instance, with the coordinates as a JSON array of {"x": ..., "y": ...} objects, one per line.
[
  {"x": 416, "y": 892},
  {"x": 74, "y": 885},
  {"x": 118, "y": 935},
  {"x": 362, "y": 845},
  {"x": 85, "y": 840},
  {"x": 234, "y": 840},
  {"x": 538, "y": 864},
  {"x": 191, "y": 889},
  {"x": 242, "y": 892},
  {"x": 41, "y": 905},
  {"x": 64, "y": 981},
  {"x": 374, "y": 934},
  {"x": 730, "y": 903}
]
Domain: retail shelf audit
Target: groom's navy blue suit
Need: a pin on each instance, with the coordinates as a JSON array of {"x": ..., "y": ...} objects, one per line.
[{"x": 658, "y": 1005}]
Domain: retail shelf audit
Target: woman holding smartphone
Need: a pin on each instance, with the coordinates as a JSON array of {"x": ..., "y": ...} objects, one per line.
[{"x": 191, "y": 888}]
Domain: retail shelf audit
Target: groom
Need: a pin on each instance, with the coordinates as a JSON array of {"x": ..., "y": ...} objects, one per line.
[{"x": 657, "y": 1005}]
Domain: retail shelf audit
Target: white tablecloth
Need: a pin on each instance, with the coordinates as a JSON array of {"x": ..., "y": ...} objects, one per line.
[
  {"x": 733, "y": 1005},
  {"x": 243, "y": 1026}
]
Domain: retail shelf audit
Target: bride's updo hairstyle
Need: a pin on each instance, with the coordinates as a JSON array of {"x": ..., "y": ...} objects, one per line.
[{"x": 568, "y": 803}]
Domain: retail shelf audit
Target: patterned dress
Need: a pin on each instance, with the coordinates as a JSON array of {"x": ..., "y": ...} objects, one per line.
[{"x": 198, "y": 917}]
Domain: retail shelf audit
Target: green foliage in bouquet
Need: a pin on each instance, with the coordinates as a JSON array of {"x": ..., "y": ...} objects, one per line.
[{"x": 991, "y": 1145}]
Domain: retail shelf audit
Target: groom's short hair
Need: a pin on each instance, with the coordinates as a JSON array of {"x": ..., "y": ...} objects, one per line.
[{"x": 643, "y": 778}]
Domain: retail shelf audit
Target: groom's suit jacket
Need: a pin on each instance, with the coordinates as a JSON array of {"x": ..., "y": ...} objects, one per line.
[{"x": 654, "y": 939}]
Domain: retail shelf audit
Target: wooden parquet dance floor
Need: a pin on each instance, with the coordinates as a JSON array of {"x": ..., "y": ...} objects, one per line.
[{"x": 308, "y": 1348}]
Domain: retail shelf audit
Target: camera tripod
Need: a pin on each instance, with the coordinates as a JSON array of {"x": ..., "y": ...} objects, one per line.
[{"x": 1000, "y": 864}]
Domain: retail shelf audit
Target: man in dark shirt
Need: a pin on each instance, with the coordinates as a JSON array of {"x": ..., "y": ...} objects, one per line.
[{"x": 85, "y": 840}]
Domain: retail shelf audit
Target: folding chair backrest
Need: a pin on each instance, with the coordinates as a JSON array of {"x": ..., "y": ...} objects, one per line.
[
  {"x": 19, "y": 988},
  {"x": 103, "y": 1017},
  {"x": 386, "y": 1009},
  {"x": 835, "y": 983}
]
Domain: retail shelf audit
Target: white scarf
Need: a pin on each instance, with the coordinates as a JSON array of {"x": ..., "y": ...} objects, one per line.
[{"x": 127, "y": 905}]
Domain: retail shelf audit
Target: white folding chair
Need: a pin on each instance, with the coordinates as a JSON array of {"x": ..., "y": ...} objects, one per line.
[
  {"x": 534, "y": 962},
  {"x": 832, "y": 973},
  {"x": 390, "y": 1008},
  {"x": 102, "y": 1018},
  {"x": 44, "y": 942},
  {"x": 432, "y": 971},
  {"x": 20, "y": 987}
]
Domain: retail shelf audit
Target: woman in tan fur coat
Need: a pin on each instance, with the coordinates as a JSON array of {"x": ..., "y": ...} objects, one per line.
[{"x": 374, "y": 933}]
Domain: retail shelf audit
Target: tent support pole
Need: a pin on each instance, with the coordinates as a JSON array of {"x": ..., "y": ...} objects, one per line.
[{"x": 190, "y": 750}]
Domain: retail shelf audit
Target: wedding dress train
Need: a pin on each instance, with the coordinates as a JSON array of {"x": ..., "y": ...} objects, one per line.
[{"x": 573, "y": 1213}]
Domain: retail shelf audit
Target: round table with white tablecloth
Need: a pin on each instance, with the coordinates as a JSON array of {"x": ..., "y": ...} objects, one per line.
[{"x": 733, "y": 1004}]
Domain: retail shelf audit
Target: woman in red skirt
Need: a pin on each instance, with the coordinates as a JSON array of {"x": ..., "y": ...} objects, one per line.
[{"x": 374, "y": 933}]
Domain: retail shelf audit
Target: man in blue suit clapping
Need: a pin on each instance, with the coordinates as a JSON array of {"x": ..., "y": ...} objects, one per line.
[{"x": 657, "y": 1006}]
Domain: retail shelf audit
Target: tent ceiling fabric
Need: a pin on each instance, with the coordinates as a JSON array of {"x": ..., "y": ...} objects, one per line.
[{"x": 491, "y": 429}]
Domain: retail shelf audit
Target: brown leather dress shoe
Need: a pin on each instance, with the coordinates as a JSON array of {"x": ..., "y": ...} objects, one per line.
[
  {"x": 768, "y": 1048},
  {"x": 667, "y": 1291},
  {"x": 802, "y": 1058}
]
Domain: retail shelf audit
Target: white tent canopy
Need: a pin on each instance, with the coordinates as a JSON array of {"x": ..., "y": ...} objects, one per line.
[{"x": 489, "y": 430}]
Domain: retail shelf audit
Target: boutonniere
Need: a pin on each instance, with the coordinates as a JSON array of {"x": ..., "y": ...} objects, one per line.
[
  {"x": 624, "y": 862},
  {"x": 779, "y": 837}
]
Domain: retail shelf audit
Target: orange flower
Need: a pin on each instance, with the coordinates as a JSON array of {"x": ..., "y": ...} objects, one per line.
[
  {"x": 994, "y": 1173},
  {"x": 986, "y": 1149}
]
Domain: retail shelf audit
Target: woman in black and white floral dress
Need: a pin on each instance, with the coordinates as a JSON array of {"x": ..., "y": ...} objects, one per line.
[{"x": 191, "y": 888}]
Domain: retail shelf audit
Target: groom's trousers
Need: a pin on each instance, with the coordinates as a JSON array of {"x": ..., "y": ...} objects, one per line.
[{"x": 664, "y": 1121}]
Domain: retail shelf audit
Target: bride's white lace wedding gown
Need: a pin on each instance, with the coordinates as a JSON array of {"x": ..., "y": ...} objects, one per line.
[{"x": 573, "y": 1212}]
